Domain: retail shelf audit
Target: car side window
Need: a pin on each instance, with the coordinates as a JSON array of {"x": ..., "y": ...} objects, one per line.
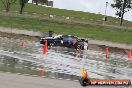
[{"x": 64, "y": 37}]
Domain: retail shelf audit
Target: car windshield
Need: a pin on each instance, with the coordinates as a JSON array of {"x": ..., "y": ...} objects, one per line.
[
  {"x": 69, "y": 36},
  {"x": 58, "y": 36}
]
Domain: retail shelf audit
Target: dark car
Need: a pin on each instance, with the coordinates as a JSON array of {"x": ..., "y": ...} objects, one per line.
[{"x": 65, "y": 41}]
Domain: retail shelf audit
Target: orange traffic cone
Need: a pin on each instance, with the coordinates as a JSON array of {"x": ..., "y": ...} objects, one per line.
[
  {"x": 22, "y": 43},
  {"x": 78, "y": 52},
  {"x": 86, "y": 75},
  {"x": 45, "y": 48},
  {"x": 129, "y": 55},
  {"x": 107, "y": 54}
]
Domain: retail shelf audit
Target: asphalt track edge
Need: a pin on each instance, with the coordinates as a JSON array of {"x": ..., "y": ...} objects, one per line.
[{"x": 38, "y": 76}]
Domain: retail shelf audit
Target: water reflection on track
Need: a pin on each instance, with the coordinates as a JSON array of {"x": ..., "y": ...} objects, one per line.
[{"x": 63, "y": 62}]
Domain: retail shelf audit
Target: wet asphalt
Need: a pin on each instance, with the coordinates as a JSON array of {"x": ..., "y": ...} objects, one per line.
[{"x": 66, "y": 61}]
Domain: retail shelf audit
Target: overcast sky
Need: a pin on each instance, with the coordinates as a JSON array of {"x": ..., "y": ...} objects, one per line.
[{"x": 93, "y": 6}]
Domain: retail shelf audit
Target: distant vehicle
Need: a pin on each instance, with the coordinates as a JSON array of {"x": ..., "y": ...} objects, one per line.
[{"x": 66, "y": 41}]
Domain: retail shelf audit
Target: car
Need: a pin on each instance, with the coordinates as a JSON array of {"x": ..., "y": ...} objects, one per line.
[{"x": 65, "y": 41}]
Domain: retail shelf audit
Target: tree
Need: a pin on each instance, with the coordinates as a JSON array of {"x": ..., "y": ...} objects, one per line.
[
  {"x": 122, "y": 6},
  {"x": 22, "y": 5},
  {"x": 7, "y": 4}
]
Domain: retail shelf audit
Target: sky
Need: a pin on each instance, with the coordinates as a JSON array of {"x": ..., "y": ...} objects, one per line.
[{"x": 92, "y": 6}]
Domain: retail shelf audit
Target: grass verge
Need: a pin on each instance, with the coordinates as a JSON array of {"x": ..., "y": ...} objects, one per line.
[
  {"x": 31, "y": 8},
  {"x": 87, "y": 31}
]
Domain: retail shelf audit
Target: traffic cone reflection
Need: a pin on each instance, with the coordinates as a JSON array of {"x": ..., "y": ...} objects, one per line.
[{"x": 42, "y": 72}]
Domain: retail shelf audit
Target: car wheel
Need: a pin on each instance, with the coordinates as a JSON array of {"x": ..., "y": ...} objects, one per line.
[
  {"x": 81, "y": 47},
  {"x": 50, "y": 44},
  {"x": 85, "y": 47}
]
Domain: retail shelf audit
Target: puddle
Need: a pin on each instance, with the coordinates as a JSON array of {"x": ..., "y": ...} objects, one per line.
[
  {"x": 10, "y": 64},
  {"x": 61, "y": 62}
]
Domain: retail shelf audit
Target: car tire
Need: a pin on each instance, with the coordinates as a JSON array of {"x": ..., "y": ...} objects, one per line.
[
  {"x": 85, "y": 47},
  {"x": 81, "y": 47}
]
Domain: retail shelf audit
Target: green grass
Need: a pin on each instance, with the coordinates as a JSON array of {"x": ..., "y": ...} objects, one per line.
[
  {"x": 31, "y": 8},
  {"x": 87, "y": 31}
]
